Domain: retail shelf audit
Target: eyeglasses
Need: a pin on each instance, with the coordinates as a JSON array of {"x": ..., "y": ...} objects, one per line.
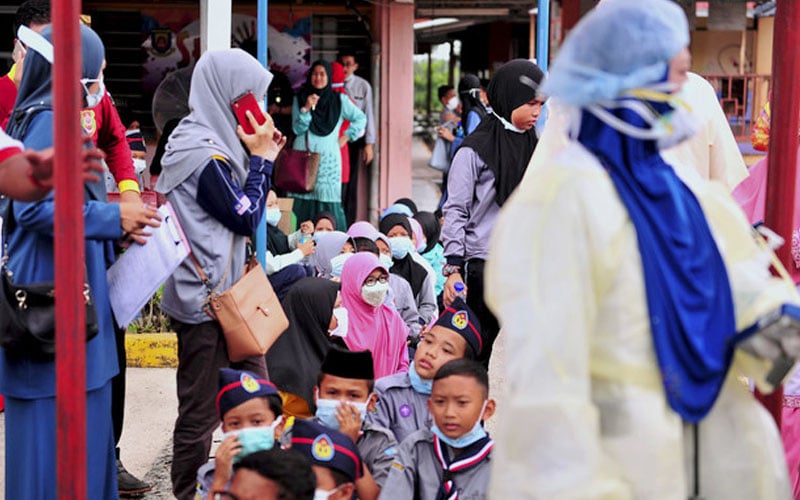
[{"x": 371, "y": 281}]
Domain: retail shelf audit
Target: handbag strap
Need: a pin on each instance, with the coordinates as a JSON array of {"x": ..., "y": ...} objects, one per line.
[{"x": 204, "y": 279}]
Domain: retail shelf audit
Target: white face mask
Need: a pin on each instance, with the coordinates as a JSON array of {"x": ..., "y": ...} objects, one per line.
[
  {"x": 273, "y": 216},
  {"x": 139, "y": 165},
  {"x": 667, "y": 130},
  {"x": 92, "y": 100},
  {"x": 325, "y": 495},
  {"x": 342, "y": 322},
  {"x": 453, "y": 103},
  {"x": 375, "y": 295}
]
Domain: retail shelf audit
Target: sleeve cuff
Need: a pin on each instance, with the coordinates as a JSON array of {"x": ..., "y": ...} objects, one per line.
[
  {"x": 128, "y": 185},
  {"x": 260, "y": 164},
  {"x": 456, "y": 261}
]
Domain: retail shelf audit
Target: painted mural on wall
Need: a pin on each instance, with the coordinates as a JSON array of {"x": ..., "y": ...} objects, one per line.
[{"x": 172, "y": 42}]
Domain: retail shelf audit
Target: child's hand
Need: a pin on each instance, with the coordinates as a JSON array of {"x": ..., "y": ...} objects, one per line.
[
  {"x": 349, "y": 420},
  {"x": 223, "y": 462},
  {"x": 308, "y": 247},
  {"x": 307, "y": 227}
]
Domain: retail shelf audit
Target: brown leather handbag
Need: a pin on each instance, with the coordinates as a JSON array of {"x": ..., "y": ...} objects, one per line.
[
  {"x": 249, "y": 312},
  {"x": 296, "y": 170}
]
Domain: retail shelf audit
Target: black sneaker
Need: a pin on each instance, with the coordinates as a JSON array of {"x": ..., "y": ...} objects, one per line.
[{"x": 128, "y": 484}]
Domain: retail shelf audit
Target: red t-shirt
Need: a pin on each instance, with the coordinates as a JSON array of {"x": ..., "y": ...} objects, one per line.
[
  {"x": 8, "y": 94},
  {"x": 102, "y": 123}
]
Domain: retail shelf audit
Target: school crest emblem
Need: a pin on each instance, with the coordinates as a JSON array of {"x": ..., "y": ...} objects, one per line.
[
  {"x": 249, "y": 384},
  {"x": 322, "y": 448},
  {"x": 460, "y": 320},
  {"x": 88, "y": 122}
]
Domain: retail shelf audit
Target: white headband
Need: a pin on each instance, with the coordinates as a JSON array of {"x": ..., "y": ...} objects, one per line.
[{"x": 36, "y": 42}]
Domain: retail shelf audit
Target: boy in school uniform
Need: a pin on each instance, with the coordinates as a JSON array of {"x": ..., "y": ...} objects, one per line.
[
  {"x": 452, "y": 459},
  {"x": 403, "y": 397},
  {"x": 334, "y": 458},
  {"x": 343, "y": 397},
  {"x": 250, "y": 409}
]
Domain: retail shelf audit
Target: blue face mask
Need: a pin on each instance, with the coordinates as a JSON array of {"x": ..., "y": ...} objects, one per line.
[
  {"x": 421, "y": 385},
  {"x": 337, "y": 264},
  {"x": 273, "y": 216},
  {"x": 477, "y": 432},
  {"x": 401, "y": 246},
  {"x": 386, "y": 261},
  {"x": 253, "y": 439},
  {"x": 326, "y": 412}
]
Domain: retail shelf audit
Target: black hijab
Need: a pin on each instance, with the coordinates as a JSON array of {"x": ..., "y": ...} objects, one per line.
[
  {"x": 507, "y": 152},
  {"x": 325, "y": 215},
  {"x": 431, "y": 228},
  {"x": 295, "y": 359},
  {"x": 277, "y": 242},
  {"x": 328, "y": 110},
  {"x": 407, "y": 202},
  {"x": 469, "y": 92},
  {"x": 406, "y": 267}
]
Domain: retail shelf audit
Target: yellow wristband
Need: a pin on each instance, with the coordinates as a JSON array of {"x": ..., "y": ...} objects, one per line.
[{"x": 128, "y": 185}]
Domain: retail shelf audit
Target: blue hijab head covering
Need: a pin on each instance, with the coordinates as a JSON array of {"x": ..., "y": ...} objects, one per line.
[
  {"x": 35, "y": 88},
  {"x": 688, "y": 293}
]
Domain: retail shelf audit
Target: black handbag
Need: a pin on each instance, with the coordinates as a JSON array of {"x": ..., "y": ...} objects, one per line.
[{"x": 27, "y": 318}]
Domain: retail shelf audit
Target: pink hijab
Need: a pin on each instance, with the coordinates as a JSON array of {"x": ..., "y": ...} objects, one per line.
[{"x": 379, "y": 329}]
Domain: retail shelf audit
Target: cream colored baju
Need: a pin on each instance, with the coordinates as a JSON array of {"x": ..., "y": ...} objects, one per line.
[{"x": 586, "y": 416}]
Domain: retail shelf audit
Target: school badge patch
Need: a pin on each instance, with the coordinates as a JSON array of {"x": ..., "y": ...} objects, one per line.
[
  {"x": 322, "y": 448},
  {"x": 249, "y": 384},
  {"x": 460, "y": 319},
  {"x": 88, "y": 122}
]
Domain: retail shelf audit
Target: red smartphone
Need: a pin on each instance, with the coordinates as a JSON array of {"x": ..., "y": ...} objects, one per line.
[{"x": 245, "y": 103}]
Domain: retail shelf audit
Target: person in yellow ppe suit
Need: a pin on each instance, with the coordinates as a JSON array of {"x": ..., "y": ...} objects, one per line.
[{"x": 626, "y": 316}]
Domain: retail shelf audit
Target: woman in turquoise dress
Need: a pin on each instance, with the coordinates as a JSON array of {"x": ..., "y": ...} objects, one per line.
[{"x": 317, "y": 115}]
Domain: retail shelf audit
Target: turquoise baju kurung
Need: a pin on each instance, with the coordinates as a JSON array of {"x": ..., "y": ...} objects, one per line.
[{"x": 327, "y": 193}]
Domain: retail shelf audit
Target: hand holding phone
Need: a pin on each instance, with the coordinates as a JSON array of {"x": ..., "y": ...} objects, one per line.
[{"x": 241, "y": 105}]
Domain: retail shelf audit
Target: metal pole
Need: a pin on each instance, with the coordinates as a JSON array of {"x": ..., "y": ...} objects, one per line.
[
  {"x": 69, "y": 256},
  {"x": 375, "y": 166},
  {"x": 261, "y": 230},
  {"x": 783, "y": 142},
  {"x": 543, "y": 34}
]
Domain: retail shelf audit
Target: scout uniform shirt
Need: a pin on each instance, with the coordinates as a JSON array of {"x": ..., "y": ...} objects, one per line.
[
  {"x": 417, "y": 472},
  {"x": 400, "y": 408},
  {"x": 378, "y": 449}
]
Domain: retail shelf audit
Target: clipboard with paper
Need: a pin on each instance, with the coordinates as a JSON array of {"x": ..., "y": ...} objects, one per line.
[{"x": 146, "y": 267}]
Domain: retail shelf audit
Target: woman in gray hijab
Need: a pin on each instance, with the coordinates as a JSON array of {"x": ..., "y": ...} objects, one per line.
[{"x": 216, "y": 177}]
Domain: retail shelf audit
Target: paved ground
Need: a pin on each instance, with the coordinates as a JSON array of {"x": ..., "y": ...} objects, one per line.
[{"x": 151, "y": 403}]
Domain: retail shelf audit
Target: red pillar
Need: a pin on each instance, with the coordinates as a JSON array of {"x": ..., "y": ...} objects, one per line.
[
  {"x": 69, "y": 256},
  {"x": 782, "y": 169}
]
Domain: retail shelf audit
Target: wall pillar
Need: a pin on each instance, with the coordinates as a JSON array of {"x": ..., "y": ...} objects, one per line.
[
  {"x": 395, "y": 32},
  {"x": 215, "y": 24}
]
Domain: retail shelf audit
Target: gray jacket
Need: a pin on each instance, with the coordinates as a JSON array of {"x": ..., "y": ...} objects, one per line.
[
  {"x": 402, "y": 299},
  {"x": 470, "y": 211},
  {"x": 416, "y": 473}
]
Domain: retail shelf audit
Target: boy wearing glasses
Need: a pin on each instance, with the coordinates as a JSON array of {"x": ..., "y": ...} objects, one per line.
[{"x": 403, "y": 397}]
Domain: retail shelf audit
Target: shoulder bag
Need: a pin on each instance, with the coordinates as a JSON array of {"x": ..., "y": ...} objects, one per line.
[
  {"x": 296, "y": 170},
  {"x": 28, "y": 318},
  {"x": 249, "y": 312}
]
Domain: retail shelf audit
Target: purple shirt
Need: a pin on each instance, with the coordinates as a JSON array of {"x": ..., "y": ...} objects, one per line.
[{"x": 470, "y": 210}]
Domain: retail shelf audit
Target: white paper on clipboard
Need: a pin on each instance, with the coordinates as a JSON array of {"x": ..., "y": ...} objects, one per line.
[{"x": 141, "y": 269}]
